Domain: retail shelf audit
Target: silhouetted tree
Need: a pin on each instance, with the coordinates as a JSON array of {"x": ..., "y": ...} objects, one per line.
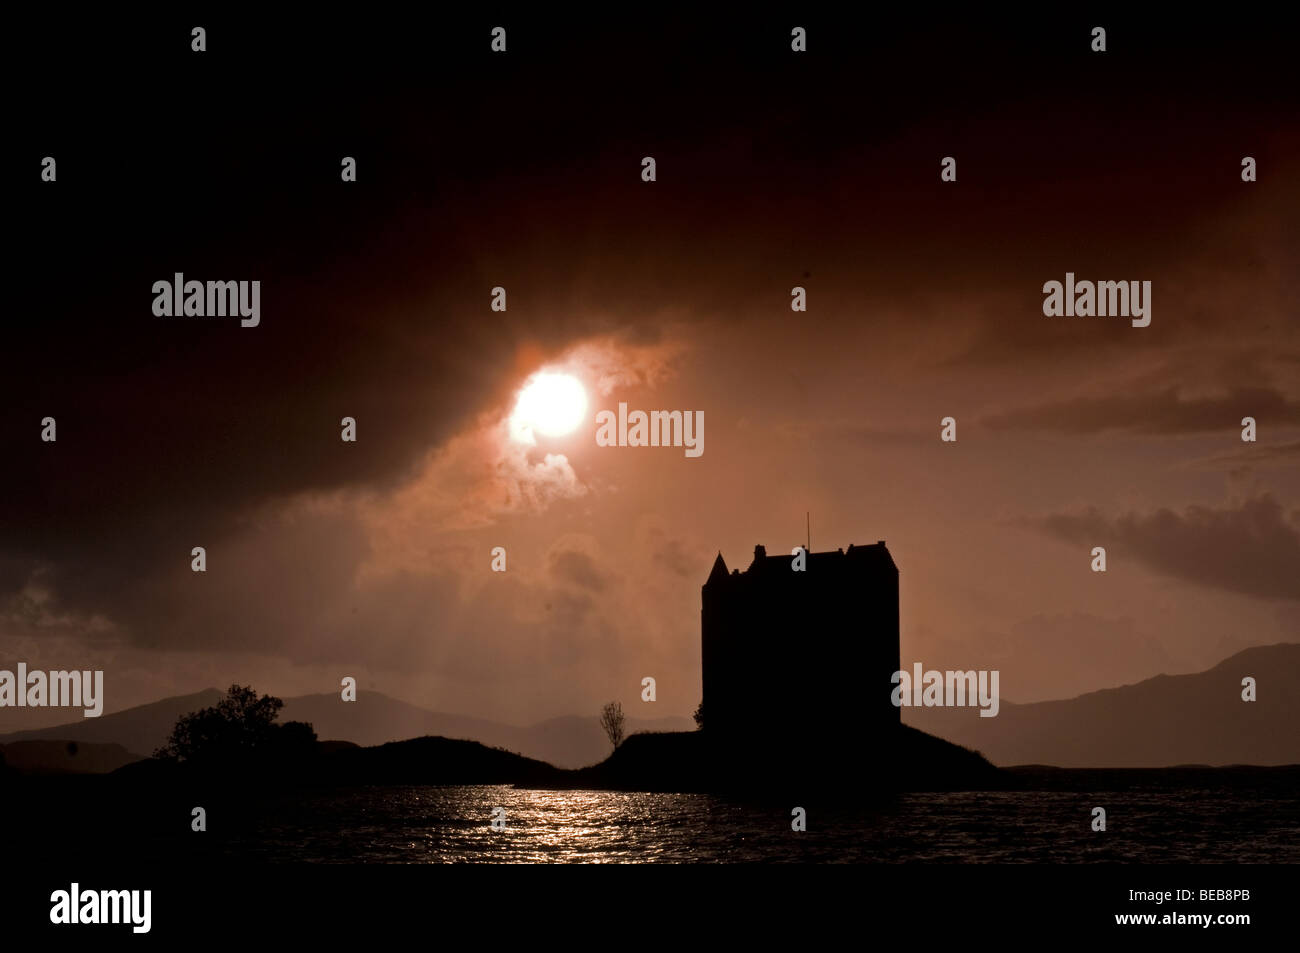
[
  {"x": 239, "y": 725},
  {"x": 699, "y": 716},
  {"x": 611, "y": 719}
]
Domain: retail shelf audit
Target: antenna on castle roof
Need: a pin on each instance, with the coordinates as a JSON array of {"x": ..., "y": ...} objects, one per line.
[{"x": 808, "y": 517}]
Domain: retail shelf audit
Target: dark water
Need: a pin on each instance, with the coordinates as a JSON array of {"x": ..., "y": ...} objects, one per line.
[{"x": 1149, "y": 824}]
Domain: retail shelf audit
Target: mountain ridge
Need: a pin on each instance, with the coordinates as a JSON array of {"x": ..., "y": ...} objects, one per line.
[
  {"x": 1162, "y": 721},
  {"x": 567, "y": 741}
]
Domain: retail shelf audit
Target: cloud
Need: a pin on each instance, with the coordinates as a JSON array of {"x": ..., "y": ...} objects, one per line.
[
  {"x": 672, "y": 554},
  {"x": 1160, "y": 412},
  {"x": 578, "y": 568},
  {"x": 1255, "y": 455},
  {"x": 1252, "y": 549},
  {"x": 176, "y": 433}
]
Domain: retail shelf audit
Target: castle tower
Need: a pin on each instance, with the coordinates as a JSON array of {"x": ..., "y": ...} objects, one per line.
[{"x": 801, "y": 658}]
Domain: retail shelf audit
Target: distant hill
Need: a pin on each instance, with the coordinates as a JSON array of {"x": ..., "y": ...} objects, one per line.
[
  {"x": 435, "y": 761},
  {"x": 64, "y": 757},
  {"x": 373, "y": 719},
  {"x": 1161, "y": 722},
  {"x": 683, "y": 761},
  {"x": 142, "y": 729},
  {"x": 673, "y": 761}
]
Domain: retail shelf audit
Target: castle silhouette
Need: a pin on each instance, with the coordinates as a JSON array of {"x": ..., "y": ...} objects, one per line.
[{"x": 801, "y": 660}]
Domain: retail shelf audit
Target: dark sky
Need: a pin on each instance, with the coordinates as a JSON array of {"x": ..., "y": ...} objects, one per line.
[{"x": 522, "y": 170}]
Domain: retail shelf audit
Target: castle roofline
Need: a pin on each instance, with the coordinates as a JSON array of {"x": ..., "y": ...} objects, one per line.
[{"x": 874, "y": 555}]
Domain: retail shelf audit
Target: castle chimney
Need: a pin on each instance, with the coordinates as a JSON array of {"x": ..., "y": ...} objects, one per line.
[{"x": 760, "y": 551}]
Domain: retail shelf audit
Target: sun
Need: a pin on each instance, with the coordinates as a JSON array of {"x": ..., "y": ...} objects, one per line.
[{"x": 551, "y": 404}]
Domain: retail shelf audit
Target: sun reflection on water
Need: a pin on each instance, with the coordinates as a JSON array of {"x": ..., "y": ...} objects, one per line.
[{"x": 454, "y": 825}]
